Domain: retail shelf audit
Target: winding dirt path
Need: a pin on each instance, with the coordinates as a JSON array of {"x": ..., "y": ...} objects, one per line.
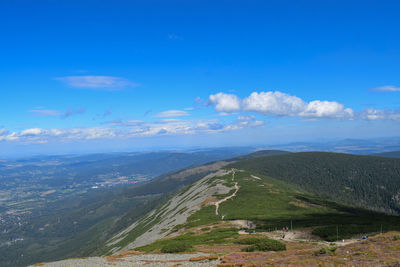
[{"x": 228, "y": 197}]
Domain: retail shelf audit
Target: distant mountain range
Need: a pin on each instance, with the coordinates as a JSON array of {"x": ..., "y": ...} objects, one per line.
[
  {"x": 351, "y": 146},
  {"x": 392, "y": 154}
]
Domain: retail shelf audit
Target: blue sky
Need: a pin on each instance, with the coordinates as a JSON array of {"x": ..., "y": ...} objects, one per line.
[{"x": 117, "y": 75}]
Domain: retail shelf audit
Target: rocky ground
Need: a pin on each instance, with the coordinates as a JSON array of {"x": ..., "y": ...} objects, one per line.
[
  {"x": 133, "y": 259},
  {"x": 379, "y": 250}
]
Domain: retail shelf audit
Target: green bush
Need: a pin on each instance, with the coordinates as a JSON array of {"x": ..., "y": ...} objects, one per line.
[
  {"x": 248, "y": 241},
  {"x": 324, "y": 251},
  {"x": 396, "y": 237},
  {"x": 176, "y": 247},
  {"x": 263, "y": 244}
]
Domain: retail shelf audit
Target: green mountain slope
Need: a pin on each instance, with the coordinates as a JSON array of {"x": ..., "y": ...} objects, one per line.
[
  {"x": 364, "y": 181},
  {"x": 267, "y": 202},
  {"x": 271, "y": 191}
]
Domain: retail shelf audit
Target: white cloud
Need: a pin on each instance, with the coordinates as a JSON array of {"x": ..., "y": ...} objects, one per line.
[
  {"x": 3, "y": 132},
  {"x": 273, "y": 103},
  {"x": 32, "y": 132},
  {"x": 280, "y": 104},
  {"x": 44, "y": 112},
  {"x": 171, "y": 113},
  {"x": 387, "y": 88},
  {"x": 326, "y": 109},
  {"x": 225, "y": 102},
  {"x": 379, "y": 114},
  {"x": 249, "y": 121},
  {"x": 127, "y": 129},
  {"x": 372, "y": 114},
  {"x": 97, "y": 82},
  {"x": 49, "y": 112}
]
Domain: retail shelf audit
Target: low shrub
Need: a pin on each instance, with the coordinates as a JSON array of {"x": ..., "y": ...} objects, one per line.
[
  {"x": 176, "y": 247},
  {"x": 323, "y": 251},
  {"x": 248, "y": 241},
  {"x": 263, "y": 244}
]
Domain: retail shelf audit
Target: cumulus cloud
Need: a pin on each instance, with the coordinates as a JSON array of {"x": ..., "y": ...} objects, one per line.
[
  {"x": 387, "y": 88},
  {"x": 171, "y": 113},
  {"x": 32, "y": 132},
  {"x": 97, "y": 82},
  {"x": 280, "y": 104},
  {"x": 225, "y": 102},
  {"x": 327, "y": 109},
  {"x": 273, "y": 103}
]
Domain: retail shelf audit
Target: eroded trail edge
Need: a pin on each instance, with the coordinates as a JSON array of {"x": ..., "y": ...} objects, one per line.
[{"x": 228, "y": 197}]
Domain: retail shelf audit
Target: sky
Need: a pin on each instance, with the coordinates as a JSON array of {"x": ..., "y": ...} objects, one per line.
[{"x": 117, "y": 75}]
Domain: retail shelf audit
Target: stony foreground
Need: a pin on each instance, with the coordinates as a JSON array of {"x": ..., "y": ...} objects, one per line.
[
  {"x": 148, "y": 260},
  {"x": 378, "y": 250}
]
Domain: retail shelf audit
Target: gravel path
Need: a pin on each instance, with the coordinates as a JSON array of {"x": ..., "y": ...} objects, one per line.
[
  {"x": 148, "y": 260},
  {"x": 228, "y": 197}
]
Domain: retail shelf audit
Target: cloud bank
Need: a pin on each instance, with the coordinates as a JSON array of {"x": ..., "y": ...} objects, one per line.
[
  {"x": 128, "y": 129},
  {"x": 280, "y": 104}
]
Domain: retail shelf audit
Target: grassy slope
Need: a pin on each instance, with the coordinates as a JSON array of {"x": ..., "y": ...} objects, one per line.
[
  {"x": 272, "y": 204},
  {"x": 366, "y": 181}
]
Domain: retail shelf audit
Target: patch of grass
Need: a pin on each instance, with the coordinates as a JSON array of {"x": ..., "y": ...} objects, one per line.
[
  {"x": 217, "y": 236},
  {"x": 261, "y": 244},
  {"x": 205, "y": 215},
  {"x": 248, "y": 241},
  {"x": 176, "y": 247},
  {"x": 325, "y": 251}
]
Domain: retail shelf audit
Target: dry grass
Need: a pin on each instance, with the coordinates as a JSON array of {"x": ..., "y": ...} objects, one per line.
[
  {"x": 380, "y": 250},
  {"x": 124, "y": 254},
  {"x": 203, "y": 258}
]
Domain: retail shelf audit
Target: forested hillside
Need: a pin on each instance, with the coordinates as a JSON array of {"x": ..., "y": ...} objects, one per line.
[
  {"x": 392, "y": 154},
  {"x": 366, "y": 181}
]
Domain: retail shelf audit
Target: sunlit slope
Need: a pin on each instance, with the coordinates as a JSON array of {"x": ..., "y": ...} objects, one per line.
[
  {"x": 364, "y": 181},
  {"x": 267, "y": 202}
]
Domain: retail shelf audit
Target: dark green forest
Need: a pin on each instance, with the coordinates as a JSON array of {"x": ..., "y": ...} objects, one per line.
[{"x": 364, "y": 181}]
